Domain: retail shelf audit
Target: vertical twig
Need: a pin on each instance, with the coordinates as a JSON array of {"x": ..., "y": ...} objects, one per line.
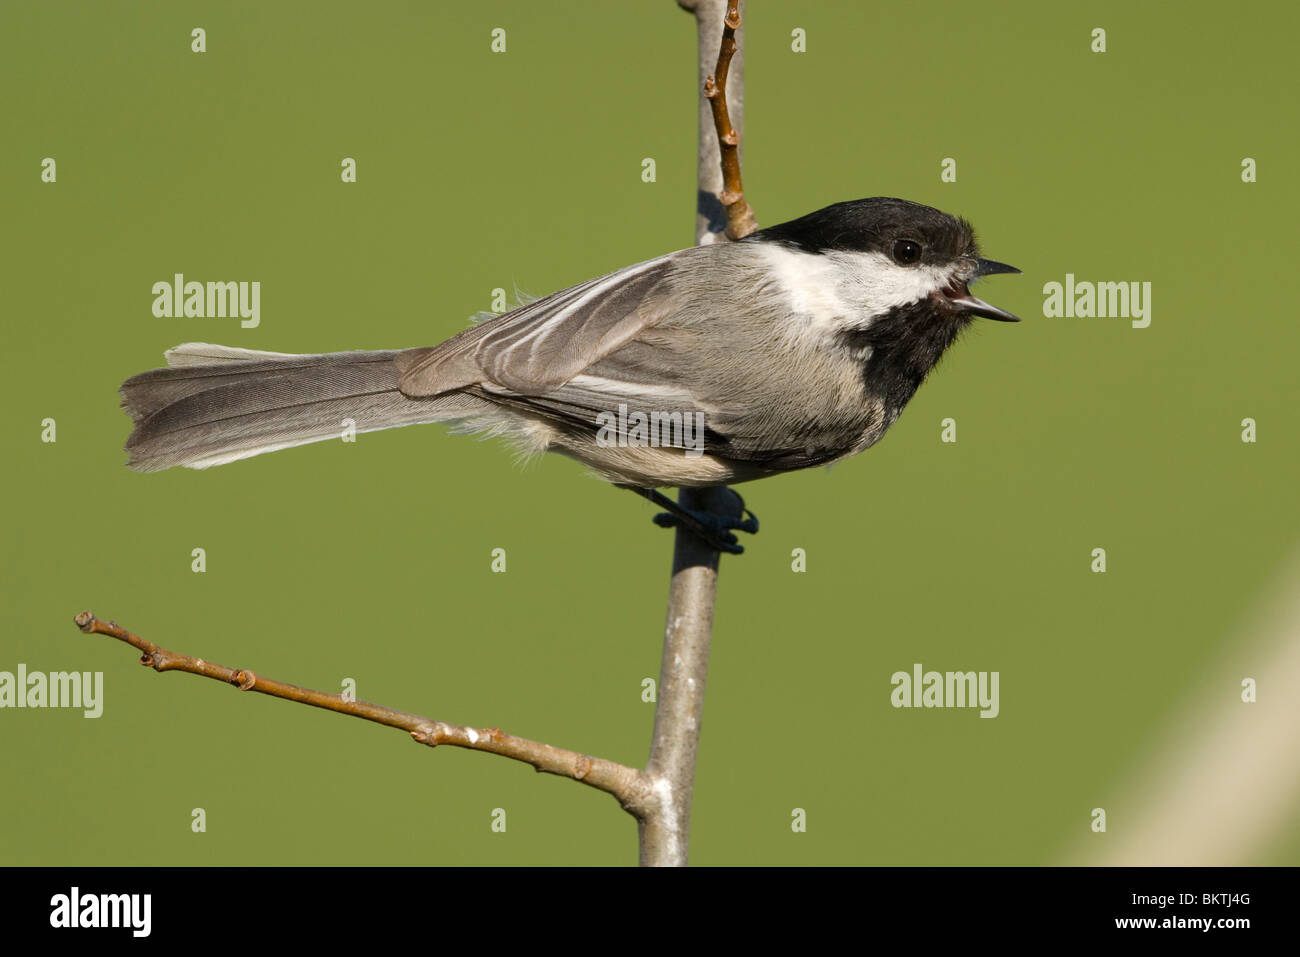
[{"x": 665, "y": 823}]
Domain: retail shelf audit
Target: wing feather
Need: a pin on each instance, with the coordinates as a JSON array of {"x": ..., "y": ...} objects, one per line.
[{"x": 545, "y": 343}]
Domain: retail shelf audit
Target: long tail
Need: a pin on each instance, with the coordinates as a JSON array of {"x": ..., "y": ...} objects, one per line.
[{"x": 216, "y": 404}]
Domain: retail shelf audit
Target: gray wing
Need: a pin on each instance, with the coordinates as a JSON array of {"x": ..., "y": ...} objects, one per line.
[
  {"x": 641, "y": 376},
  {"x": 545, "y": 343}
]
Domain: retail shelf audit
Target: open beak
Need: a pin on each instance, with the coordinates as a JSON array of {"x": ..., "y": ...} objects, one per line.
[{"x": 961, "y": 297}]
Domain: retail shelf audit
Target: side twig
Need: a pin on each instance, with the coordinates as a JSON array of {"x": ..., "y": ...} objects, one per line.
[
  {"x": 626, "y": 784},
  {"x": 740, "y": 216}
]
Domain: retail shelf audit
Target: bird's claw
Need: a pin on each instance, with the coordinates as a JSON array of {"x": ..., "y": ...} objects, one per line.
[{"x": 714, "y": 529}]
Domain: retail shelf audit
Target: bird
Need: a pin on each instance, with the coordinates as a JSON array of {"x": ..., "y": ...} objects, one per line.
[{"x": 796, "y": 346}]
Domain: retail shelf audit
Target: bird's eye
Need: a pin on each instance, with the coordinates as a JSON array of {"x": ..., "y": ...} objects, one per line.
[{"x": 906, "y": 252}]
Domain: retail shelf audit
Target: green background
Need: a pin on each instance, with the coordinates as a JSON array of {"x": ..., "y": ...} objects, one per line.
[{"x": 372, "y": 561}]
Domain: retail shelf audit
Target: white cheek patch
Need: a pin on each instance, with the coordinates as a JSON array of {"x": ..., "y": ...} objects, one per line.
[
  {"x": 837, "y": 290},
  {"x": 808, "y": 282},
  {"x": 877, "y": 284}
]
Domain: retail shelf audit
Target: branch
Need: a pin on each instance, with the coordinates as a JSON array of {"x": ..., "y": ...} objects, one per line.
[{"x": 628, "y": 785}]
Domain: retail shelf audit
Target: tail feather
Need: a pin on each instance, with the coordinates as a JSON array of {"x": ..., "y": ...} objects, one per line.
[
  {"x": 208, "y": 354},
  {"x": 216, "y": 404}
]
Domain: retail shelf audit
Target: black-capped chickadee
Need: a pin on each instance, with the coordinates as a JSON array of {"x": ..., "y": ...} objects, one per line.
[{"x": 796, "y": 346}]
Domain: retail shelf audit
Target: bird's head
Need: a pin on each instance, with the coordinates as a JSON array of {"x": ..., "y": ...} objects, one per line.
[{"x": 894, "y": 255}]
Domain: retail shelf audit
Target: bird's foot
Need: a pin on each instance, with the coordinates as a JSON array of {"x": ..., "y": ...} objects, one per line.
[{"x": 715, "y": 526}]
